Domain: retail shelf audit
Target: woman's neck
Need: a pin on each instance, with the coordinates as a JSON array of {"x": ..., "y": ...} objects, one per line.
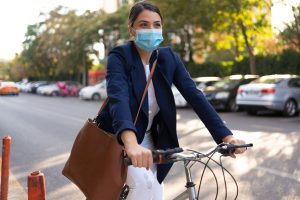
[{"x": 144, "y": 55}]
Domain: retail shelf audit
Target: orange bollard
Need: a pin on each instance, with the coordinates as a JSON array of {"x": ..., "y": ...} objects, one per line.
[
  {"x": 5, "y": 167},
  {"x": 36, "y": 186}
]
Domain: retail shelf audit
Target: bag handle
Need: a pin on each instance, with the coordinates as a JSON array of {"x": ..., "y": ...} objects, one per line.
[{"x": 144, "y": 94}]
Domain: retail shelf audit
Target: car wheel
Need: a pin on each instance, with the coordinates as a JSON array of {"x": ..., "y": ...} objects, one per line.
[
  {"x": 232, "y": 106},
  {"x": 290, "y": 108},
  {"x": 96, "y": 97},
  {"x": 54, "y": 94}
]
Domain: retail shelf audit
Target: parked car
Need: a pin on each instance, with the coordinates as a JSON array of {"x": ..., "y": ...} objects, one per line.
[
  {"x": 38, "y": 84},
  {"x": 271, "y": 92},
  {"x": 94, "y": 93},
  {"x": 69, "y": 88},
  {"x": 9, "y": 88},
  {"x": 205, "y": 81},
  {"x": 49, "y": 90},
  {"x": 201, "y": 82},
  {"x": 26, "y": 87},
  {"x": 222, "y": 94}
]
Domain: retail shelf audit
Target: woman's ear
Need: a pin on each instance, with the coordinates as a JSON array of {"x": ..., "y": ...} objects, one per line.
[{"x": 131, "y": 31}]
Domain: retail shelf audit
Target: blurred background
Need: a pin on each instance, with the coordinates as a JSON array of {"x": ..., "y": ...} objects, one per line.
[{"x": 60, "y": 40}]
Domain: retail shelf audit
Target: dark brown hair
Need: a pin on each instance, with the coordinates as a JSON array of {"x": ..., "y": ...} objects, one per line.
[{"x": 138, "y": 7}]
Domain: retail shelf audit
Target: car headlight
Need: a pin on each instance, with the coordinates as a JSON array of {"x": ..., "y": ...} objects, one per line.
[{"x": 222, "y": 95}]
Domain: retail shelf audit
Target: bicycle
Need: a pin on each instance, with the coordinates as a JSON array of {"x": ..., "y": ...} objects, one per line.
[{"x": 189, "y": 158}]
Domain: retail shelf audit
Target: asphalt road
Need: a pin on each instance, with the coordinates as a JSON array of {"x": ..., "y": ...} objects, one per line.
[{"x": 43, "y": 130}]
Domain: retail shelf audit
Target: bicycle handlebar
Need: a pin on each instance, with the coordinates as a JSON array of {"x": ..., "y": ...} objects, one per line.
[
  {"x": 159, "y": 156},
  {"x": 174, "y": 155}
]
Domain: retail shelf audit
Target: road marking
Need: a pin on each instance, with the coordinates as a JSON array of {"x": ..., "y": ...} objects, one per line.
[
  {"x": 279, "y": 173},
  {"x": 15, "y": 189}
]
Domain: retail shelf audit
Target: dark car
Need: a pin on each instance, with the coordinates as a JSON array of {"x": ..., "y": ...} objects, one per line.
[{"x": 221, "y": 95}]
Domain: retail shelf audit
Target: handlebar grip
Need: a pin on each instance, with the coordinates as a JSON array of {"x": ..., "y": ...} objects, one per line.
[
  {"x": 244, "y": 145},
  {"x": 127, "y": 161},
  {"x": 169, "y": 151},
  {"x": 227, "y": 149}
]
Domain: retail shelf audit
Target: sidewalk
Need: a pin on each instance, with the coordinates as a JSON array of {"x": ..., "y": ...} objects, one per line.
[{"x": 15, "y": 189}]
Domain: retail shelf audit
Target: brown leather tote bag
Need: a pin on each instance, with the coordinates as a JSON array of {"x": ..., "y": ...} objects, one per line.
[{"x": 96, "y": 163}]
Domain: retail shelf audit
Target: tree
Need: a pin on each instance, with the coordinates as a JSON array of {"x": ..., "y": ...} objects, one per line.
[
  {"x": 291, "y": 34},
  {"x": 212, "y": 25},
  {"x": 59, "y": 47}
]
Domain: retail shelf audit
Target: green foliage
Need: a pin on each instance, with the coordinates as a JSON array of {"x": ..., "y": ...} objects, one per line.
[
  {"x": 4, "y": 70},
  {"x": 286, "y": 62},
  {"x": 205, "y": 69},
  {"x": 291, "y": 34}
]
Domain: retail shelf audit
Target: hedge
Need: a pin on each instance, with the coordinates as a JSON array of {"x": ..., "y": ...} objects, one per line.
[{"x": 286, "y": 62}]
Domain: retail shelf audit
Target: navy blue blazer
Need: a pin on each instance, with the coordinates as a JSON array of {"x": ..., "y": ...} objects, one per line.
[{"x": 126, "y": 81}]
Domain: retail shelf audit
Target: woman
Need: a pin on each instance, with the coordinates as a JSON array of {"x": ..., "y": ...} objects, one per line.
[{"x": 128, "y": 68}]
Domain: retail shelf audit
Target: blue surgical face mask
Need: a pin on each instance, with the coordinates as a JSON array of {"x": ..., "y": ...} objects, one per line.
[{"x": 148, "y": 39}]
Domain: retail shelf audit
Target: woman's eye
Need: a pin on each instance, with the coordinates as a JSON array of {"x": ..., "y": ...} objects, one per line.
[{"x": 157, "y": 25}]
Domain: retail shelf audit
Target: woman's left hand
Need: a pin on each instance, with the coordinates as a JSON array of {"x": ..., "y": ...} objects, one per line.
[{"x": 230, "y": 139}]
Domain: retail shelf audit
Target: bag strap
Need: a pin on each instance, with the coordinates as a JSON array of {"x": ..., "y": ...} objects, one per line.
[{"x": 144, "y": 94}]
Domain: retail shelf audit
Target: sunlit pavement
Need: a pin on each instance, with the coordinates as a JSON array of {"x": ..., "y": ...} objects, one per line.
[{"x": 269, "y": 170}]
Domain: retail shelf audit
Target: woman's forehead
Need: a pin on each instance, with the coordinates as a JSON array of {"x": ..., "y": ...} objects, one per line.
[{"x": 148, "y": 16}]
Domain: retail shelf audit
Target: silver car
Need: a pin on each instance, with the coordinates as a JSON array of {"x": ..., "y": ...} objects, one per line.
[{"x": 279, "y": 92}]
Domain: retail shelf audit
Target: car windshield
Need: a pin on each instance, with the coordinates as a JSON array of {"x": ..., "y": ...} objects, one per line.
[
  {"x": 226, "y": 84},
  {"x": 270, "y": 80}
]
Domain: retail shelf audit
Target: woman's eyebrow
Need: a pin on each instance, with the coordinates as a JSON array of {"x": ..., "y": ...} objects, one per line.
[{"x": 145, "y": 21}]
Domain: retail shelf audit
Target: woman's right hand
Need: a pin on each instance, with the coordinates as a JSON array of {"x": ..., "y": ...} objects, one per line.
[{"x": 140, "y": 156}]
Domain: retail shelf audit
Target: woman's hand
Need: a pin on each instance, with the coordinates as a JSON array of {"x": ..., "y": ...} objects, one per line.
[
  {"x": 140, "y": 156},
  {"x": 232, "y": 140}
]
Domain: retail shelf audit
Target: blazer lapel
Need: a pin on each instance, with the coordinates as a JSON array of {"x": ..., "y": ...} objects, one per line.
[{"x": 138, "y": 76}]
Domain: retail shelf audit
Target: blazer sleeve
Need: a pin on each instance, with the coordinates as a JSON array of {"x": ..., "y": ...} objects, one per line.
[
  {"x": 117, "y": 92},
  {"x": 197, "y": 100}
]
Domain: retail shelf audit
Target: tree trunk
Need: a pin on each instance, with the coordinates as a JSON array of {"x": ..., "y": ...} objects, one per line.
[{"x": 249, "y": 49}]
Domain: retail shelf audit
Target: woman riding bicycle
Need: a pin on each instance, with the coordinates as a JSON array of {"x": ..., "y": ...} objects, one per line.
[{"x": 128, "y": 68}]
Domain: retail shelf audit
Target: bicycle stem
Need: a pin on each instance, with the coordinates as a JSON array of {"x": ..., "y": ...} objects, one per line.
[{"x": 190, "y": 185}]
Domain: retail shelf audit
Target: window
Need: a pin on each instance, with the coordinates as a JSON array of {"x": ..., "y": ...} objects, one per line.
[{"x": 295, "y": 83}]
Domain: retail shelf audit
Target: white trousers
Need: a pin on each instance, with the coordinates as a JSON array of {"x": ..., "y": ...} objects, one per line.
[{"x": 143, "y": 184}]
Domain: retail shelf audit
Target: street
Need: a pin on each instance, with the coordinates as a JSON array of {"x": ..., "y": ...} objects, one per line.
[{"x": 43, "y": 130}]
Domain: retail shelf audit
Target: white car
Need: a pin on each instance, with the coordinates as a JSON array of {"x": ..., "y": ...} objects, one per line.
[
  {"x": 201, "y": 82},
  {"x": 49, "y": 90},
  {"x": 95, "y": 93}
]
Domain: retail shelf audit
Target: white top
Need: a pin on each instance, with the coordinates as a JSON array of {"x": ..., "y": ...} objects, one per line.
[{"x": 153, "y": 106}]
